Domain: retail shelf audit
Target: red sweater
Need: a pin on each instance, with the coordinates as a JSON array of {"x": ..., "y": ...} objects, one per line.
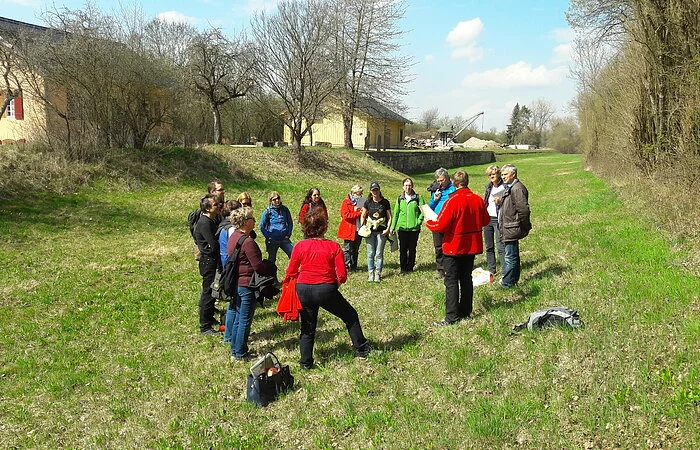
[
  {"x": 461, "y": 219},
  {"x": 317, "y": 261}
]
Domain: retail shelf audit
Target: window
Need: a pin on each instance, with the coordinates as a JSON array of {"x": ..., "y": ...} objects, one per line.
[{"x": 10, "y": 111}]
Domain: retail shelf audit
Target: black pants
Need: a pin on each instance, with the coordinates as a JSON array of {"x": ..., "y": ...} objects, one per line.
[
  {"x": 207, "y": 269},
  {"x": 437, "y": 243},
  {"x": 350, "y": 250},
  {"x": 408, "y": 241},
  {"x": 459, "y": 290},
  {"x": 328, "y": 297}
]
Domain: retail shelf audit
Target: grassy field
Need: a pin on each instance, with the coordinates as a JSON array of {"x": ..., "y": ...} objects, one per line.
[{"x": 100, "y": 349}]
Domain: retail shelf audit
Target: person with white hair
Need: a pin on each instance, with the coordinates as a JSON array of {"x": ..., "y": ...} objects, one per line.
[
  {"x": 513, "y": 223},
  {"x": 351, "y": 217}
]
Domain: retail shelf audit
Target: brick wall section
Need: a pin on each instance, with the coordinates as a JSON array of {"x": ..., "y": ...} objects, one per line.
[{"x": 421, "y": 161}]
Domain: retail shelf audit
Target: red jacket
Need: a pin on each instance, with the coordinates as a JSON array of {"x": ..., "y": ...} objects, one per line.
[
  {"x": 348, "y": 224},
  {"x": 461, "y": 219},
  {"x": 305, "y": 209}
]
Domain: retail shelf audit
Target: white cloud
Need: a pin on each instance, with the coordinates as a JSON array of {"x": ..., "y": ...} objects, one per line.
[
  {"x": 562, "y": 54},
  {"x": 463, "y": 39},
  {"x": 465, "y": 33},
  {"x": 253, "y": 6},
  {"x": 174, "y": 16},
  {"x": 562, "y": 34},
  {"x": 520, "y": 74}
]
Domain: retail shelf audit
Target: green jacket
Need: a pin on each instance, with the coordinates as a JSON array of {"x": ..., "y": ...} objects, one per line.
[{"x": 407, "y": 215}]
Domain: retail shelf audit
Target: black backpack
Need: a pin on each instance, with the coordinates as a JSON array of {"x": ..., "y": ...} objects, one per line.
[
  {"x": 557, "y": 316},
  {"x": 229, "y": 275},
  {"x": 192, "y": 219}
]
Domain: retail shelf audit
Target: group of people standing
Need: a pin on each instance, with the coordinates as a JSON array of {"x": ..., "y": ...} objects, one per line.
[{"x": 320, "y": 265}]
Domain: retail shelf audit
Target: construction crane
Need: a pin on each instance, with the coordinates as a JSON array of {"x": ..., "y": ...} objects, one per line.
[
  {"x": 449, "y": 143},
  {"x": 470, "y": 121}
]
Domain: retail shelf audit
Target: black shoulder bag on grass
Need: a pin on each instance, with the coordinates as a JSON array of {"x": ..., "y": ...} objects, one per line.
[{"x": 268, "y": 379}]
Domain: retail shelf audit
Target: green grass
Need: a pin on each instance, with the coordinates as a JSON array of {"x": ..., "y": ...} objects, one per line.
[{"x": 100, "y": 345}]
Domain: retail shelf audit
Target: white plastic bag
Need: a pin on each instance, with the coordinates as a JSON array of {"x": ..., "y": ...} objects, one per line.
[{"x": 481, "y": 277}]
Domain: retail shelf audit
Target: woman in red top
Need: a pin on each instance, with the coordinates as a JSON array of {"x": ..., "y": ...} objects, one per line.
[
  {"x": 320, "y": 266},
  {"x": 312, "y": 202}
]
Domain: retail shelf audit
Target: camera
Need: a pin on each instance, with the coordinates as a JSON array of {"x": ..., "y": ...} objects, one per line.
[{"x": 434, "y": 186}]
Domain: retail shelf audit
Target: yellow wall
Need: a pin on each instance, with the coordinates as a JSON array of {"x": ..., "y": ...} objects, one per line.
[
  {"x": 330, "y": 129},
  {"x": 31, "y": 126}
]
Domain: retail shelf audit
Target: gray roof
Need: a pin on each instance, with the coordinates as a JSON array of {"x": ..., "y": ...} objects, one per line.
[
  {"x": 12, "y": 28},
  {"x": 376, "y": 109}
]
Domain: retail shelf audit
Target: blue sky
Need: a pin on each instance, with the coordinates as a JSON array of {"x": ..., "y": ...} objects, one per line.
[{"x": 470, "y": 55}]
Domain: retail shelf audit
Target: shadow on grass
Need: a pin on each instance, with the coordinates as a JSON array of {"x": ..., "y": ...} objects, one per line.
[
  {"x": 399, "y": 342},
  {"x": 546, "y": 272}
]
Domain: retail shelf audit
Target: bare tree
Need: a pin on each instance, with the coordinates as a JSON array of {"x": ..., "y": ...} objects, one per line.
[
  {"x": 541, "y": 112},
  {"x": 294, "y": 60},
  {"x": 367, "y": 50},
  {"x": 429, "y": 117},
  {"x": 657, "y": 108},
  {"x": 220, "y": 70}
]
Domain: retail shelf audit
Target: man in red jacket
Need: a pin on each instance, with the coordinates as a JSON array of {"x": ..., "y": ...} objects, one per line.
[{"x": 460, "y": 220}]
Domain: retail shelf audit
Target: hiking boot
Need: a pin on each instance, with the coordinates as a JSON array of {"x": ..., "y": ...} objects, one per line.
[
  {"x": 366, "y": 350},
  {"x": 371, "y": 276},
  {"x": 210, "y": 332}
]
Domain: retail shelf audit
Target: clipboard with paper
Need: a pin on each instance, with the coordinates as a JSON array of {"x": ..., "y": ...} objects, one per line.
[{"x": 428, "y": 213}]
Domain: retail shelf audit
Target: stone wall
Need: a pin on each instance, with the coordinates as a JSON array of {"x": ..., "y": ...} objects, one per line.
[{"x": 422, "y": 161}]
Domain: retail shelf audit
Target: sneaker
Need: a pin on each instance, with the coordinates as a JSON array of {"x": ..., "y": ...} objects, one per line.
[
  {"x": 377, "y": 277},
  {"x": 246, "y": 357},
  {"x": 210, "y": 332},
  {"x": 303, "y": 366},
  {"x": 443, "y": 323},
  {"x": 370, "y": 276}
]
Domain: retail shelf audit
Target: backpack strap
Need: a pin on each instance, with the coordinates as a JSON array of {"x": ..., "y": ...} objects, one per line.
[{"x": 237, "y": 250}]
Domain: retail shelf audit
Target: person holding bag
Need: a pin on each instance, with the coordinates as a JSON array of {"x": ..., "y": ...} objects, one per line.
[
  {"x": 320, "y": 267},
  {"x": 407, "y": 220},
  {"x": 376, "y": 216},
  {"x": 240, "y": 314}
]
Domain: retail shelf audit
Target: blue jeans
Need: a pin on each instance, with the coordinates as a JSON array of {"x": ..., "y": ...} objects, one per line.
[
  {"x": 375, "y": 251},
  {"x": 511, "y": 264},
  {"x": 272, "y": 245},
  {"x": 239, "y": 318},
  {"x": 492, "y": 241}
]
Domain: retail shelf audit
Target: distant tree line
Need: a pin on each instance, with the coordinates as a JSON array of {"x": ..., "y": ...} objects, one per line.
[
  {"x": 115, "y": 81},
  {"x": 534, "y": 125},
  {"x": 639, "y": 83}
]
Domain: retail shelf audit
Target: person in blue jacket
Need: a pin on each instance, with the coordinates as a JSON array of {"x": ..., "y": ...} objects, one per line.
[
  {"x": 442, "y": 189},
  {"x": 276, "y": 225}
]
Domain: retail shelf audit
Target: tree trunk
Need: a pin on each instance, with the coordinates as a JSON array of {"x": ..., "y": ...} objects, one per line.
[
  {"x": 347, "y": 128},
  {"x": 217, "y": 123}
]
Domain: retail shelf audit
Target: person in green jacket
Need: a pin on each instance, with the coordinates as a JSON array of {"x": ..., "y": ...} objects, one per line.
[{"x": 407, "y": 221}]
